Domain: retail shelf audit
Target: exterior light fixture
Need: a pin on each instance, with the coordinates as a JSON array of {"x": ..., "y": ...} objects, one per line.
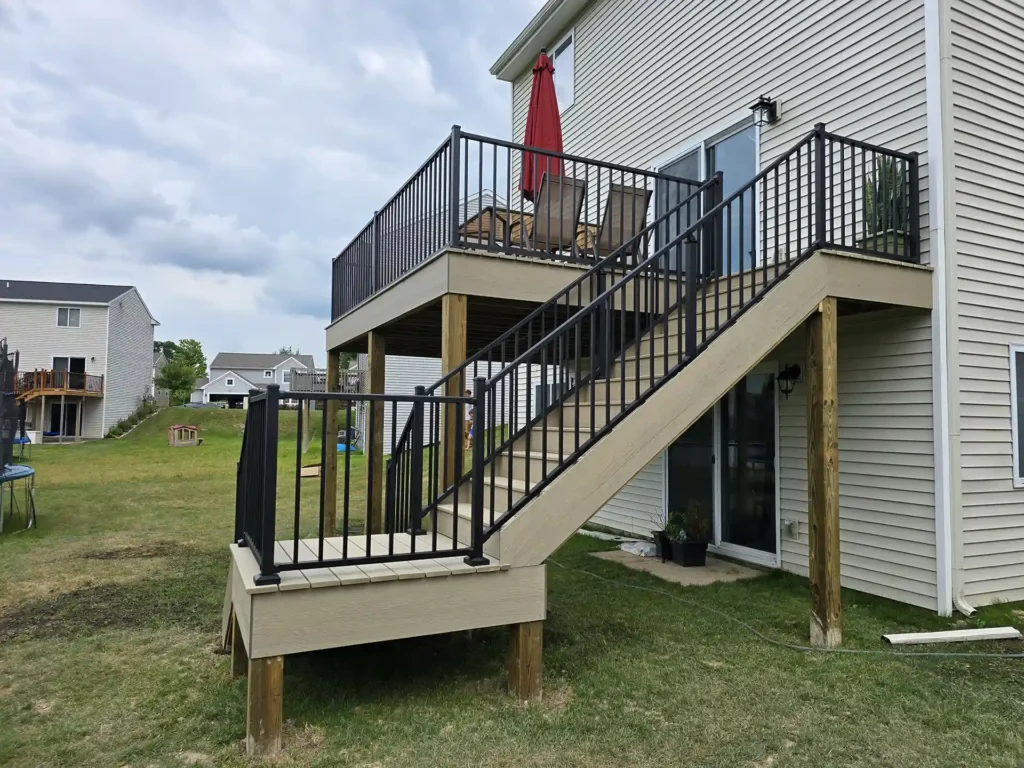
[
  {"x": 787, "y": 379},
  {"x": 766, "y": 111}
]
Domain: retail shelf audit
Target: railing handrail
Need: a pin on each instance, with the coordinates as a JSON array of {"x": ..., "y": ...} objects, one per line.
[{"x": 650, "y": 173}]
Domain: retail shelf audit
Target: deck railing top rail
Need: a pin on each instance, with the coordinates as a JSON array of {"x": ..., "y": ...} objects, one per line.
[{"x": 469, "y": 194}]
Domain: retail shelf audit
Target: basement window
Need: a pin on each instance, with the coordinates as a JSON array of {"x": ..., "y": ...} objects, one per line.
[{"x": 1017, "y": 411}]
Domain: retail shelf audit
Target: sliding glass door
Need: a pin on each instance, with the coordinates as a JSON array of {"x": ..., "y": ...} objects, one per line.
[{"x": 727, "y": 464}]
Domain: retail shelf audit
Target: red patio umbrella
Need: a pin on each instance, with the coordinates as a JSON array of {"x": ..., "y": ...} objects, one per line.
[{"x": 543, "y": 128}]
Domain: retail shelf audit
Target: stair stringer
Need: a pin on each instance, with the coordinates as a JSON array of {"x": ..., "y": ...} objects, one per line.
[{"x": 573, "y": 497}]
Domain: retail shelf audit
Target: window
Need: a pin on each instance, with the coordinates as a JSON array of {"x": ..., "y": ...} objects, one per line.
[
  {"x": 1017, "y": 411},
  {"x": 287, "y": 377},
  {"x": 229, "y": 382},
  {"x": 69, "y": 317},
  {"x": 564, "y": 61},
  {"x": 268, "y": 374}
]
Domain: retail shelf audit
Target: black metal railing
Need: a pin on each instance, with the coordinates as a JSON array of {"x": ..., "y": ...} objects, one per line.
[
  {"x": 561, "y": 379},
  {"x": 488, "y": 194},
  {"x": 319, "y": 533},
  {"x": 569, "y": 372}
]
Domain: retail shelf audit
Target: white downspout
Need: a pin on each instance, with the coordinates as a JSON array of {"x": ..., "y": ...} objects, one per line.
[{"x": 945, "y": 320}]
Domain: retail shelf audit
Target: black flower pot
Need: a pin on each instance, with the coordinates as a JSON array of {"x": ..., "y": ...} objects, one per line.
[
  {"x": 690, "y": 554},
  {"x": 662, "y": 545}
]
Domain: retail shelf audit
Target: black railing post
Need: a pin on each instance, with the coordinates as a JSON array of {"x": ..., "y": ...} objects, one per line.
[
  {"x": 819, "y": 185},
  {"x": 709, "y": 238},
  {"x": 375, "y": 258},
  {"x": 692, "y": 278},
  {"x": 268, "y": 574},
  {"x": 914, "y": 211},
  {"x": 416, "y": 466},
  {"x": 453, "y": 186},
  {"x": 476, "y": 557}
]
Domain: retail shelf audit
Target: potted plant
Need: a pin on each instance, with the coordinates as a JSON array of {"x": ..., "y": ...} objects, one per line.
[
  {"x": 691, "y": 532},
  {"x": 886, "y": 200},
  {"x": 662, "y": 544}
]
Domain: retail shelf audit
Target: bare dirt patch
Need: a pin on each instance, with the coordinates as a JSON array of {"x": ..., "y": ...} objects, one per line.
[{"x": 142, "y": 551}]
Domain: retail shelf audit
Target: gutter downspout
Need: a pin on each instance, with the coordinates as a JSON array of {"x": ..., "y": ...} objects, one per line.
[{"x": 945, "y": 317}]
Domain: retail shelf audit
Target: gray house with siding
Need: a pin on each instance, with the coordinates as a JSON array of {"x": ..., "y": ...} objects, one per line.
[
  {"x": 233, "y": 374},
  {"x": 931, "y": 426},
  {"x": 86, "y": 354}
]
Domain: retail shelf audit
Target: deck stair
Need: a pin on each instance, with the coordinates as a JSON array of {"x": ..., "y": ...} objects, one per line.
[{"x": 623, "y": 360}]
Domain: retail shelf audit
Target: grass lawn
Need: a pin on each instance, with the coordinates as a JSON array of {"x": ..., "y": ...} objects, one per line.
[{"x": 109, "y": 615}]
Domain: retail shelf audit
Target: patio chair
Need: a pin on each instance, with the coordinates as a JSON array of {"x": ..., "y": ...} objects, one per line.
[
  {"x": 556, "y": 213},
  {"x": 625, "y": 216}
]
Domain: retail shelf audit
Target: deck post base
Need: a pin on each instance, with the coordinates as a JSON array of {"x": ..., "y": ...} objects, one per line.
[
  {"x": 265, "y": 706},
  {"x": 525, "y": 660},
  {"x": 239, "y": 658}
]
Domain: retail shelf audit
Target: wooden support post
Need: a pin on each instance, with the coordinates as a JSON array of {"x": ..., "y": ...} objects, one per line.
[
  {"x": 525, "y": 660},
  {"x": 329, "y": 440},
  {"x": 42, "y": 419},
  {"x": 239, "y": 658},
  {"x": 264, "y": 712},
  {"x": 60, "y": 429},
  {"x": 81, "y": 420},
  {"x": 453, "y": 354},
  {"x": 307, "y": 430},
  {"x": 823, "y": 475},
  {"x": 375, "y": 439}
]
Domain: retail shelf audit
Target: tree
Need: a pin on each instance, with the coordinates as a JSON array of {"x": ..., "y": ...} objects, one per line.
[
  {"x": 179, "y": 378},
  {"x": 190, "y": 352},
  {"x": 287, "y": 351},
  {"x": 169, "y": 348}
]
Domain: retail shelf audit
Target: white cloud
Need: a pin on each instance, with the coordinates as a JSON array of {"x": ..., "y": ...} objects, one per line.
[{"x": 218, "y": 154}]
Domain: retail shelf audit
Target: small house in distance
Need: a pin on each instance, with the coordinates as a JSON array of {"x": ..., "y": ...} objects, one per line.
[
  {"x": 183, "y": 436},
  {"x": 233, "y": 374}
]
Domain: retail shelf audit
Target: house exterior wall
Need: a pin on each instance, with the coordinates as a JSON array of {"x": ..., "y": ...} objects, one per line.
[
  {"x": 218, "y": 384},
  {"x": 858, "y": 67},
  {"x": 31, "y": 328},
  {"x": 402, "y": 374},
  {"x": 987, "y": 62},
  {"x": 129, "y": 358},
  {"x": 886, "y": 467},
  {"x": 886, "y": 464}
]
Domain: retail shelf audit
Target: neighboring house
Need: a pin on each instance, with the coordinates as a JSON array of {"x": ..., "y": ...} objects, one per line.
[
  {"x": 233, "y": 374},
  {"x": 86, "y": 354},
  {"x": 160, "y": 395}
]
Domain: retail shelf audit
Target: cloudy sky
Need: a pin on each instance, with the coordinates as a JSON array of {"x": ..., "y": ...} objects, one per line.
[{"x": 218, "y": 153}]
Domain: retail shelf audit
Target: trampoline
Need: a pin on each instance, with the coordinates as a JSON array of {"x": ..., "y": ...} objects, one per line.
[{"x": 10, "y": 475}]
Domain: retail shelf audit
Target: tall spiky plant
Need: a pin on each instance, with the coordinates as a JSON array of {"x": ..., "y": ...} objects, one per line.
[{"x": 885, "y": 196}]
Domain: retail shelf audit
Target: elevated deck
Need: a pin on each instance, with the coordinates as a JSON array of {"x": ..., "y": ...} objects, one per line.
[{"x": 46, "y": 383}]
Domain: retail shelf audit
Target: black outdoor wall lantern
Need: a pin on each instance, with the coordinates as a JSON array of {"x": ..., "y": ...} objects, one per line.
[
  {"x": 787, "y": 379},
  {"x": 766, "y": 111}
]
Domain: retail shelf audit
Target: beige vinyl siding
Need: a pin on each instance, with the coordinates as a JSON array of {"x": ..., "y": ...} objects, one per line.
[
  {"x": 31, "y": 328},
  {"x": 652, "y": 78},
  {"x": 639, "y": 507},
  {"x": 402, "y": 374},
  {"x": 886, "y": 468},
  {"x": 988, "y": 137},
  {"x": 130, "y": 358}
]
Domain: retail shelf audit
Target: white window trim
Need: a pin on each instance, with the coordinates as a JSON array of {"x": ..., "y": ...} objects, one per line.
[
  {"x": 1015, "y": 349},
  {"x": 268, "y": 374},
  {"x": 229, "y": 382},
  {"x": 68, "y": 309},
  {"x": 554, "y": 61}
]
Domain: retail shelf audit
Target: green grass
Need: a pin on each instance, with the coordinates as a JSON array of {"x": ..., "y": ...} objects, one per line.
[{"x": 109, "y": 614}]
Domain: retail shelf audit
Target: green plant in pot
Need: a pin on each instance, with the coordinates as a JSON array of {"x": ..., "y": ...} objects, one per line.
[
  {"x": 886, "y": 202},
  {"x": 690, "y": 531}
]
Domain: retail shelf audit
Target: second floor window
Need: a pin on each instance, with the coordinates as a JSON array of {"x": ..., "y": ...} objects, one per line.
[
  {"x": 268, "y": 374},
  {"x": 69, "y": 317},
  {"x": 564, "y": 61},
  {"x": 287, "y": 377}
]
